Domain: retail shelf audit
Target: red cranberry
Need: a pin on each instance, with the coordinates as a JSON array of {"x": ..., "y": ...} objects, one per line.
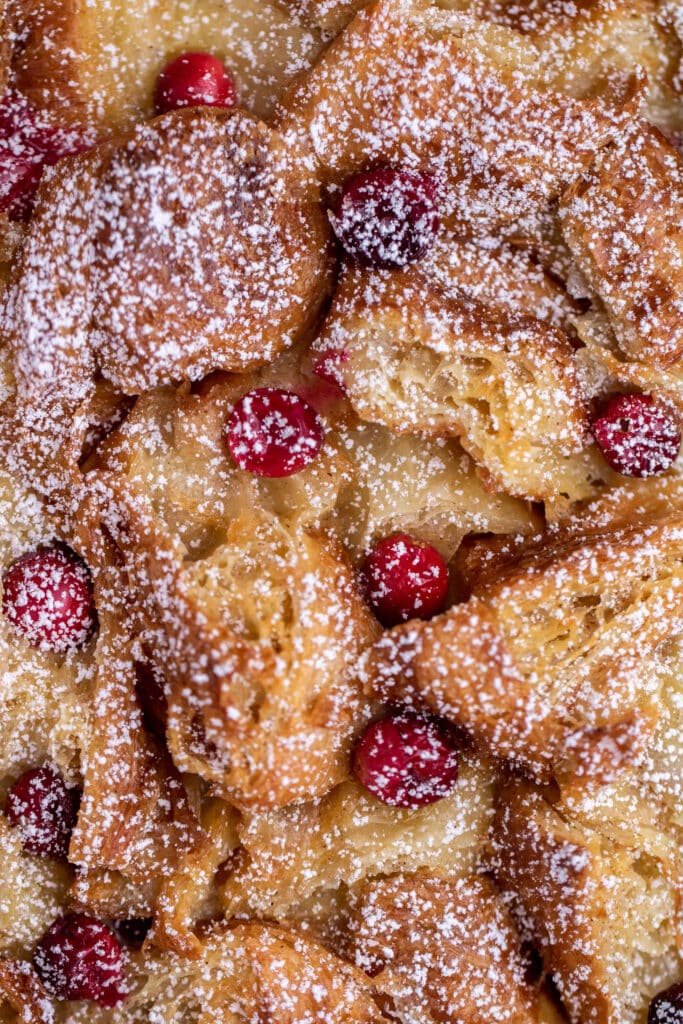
[
  {"x": 194, "y": 80},
  {"x": 404, "y": 579},
  {"x": 328, "y": 367},
  {"x": 387, "y": 217},
  {"x": 273, "y": 432},
  {"x": 45, "y": 809},
  {"x": 80, "y": 958},
  {"x": 47, "y": 597},
  {"x": 407, "y": 760},
  {"x": 30, "y": 142},
  {"x": 667, "y": 1006},
  {"x": 637, "y": 435}
]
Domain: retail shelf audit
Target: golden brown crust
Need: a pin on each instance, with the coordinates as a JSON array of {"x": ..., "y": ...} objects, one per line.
[
  {"x": 460, "y": 99},
  {"x": 421, "y": 359},
  {"x": 427, "y": 942},
  {"x": 21, "y": 987},
  {"x": 104, "y": 285},
  {"x": 622, "y": 221},
  {"x": 256, "y": 974},
  {"x": 544, "y": 663},
  {"x": 604, "y": 919}
]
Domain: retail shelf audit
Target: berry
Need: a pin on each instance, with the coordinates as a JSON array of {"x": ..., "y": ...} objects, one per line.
[
  {"x": 80, "y": 958},
  {"x": 194, "y": 80},
  {"x": 273, "y": 432},
  {"x": 667, "y": 1006},
  {"x": 407, "y": 760},
  {"x": 404, "y": 579},
  {"x": 328, "y": 366},
  {"x": 47, "y": 597},
  {"x": 637, "y": 435},
  {"x": 29, "y": 142},
  {"x": 387, "y": 217},
  {"x": 45, "y": 809}
]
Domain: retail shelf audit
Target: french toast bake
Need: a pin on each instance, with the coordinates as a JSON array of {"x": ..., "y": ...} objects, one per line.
[{"x": 341, "y": 511}]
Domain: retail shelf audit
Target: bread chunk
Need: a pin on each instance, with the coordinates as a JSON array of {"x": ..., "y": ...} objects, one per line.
[
  {"x": 463, "y": 100},
  {"x": 440, "y": 949},
  {"x": 422, "y": 361},
  {"x": 622, "y": 220},
  {"x": 603, "y": 913},
  {"x": 553, "y": 663}
]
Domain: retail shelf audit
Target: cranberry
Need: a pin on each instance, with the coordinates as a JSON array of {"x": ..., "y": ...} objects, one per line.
[
  {"x": 387, "y": 217},
  {"x": 637, "y": 435},
  {"x": 80, "y": 958},
  {"x": 30, "y": 142},
  {"x": 47, "y": 597},
  {"x": 45, "y": 809},
  {"x": 407, "y": 760},
  {"x": 328, "y": 367},
  {"x": 273, "y": 432},
  {"x": 194, "y": 80},
  {"x": 667, "y": 1006},
  {"x": 404, "y": 579}
]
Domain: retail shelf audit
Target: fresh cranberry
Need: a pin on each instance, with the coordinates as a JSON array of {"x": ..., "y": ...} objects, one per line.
[
  {"x": 45, "y": 809},
  {"x": 80, "y": 958},
  {"x": 29, "y": 142},
  {"x": 328, "y": 367},
  {"x": 194, "y": 80},
  {"x": 47, "y": 597},
  {"x": 407, "y": 760},
  {"x": 404, "y": 579},
  {"x": 387, "y": 217},
  {"x": 637, "y": 435},
  {"x": 273, "y": 432},
  {"x": 667, "y": 1006}
]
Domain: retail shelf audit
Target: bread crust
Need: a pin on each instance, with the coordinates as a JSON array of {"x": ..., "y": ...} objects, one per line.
[
  {"x": 543, "y": 663},
  {"x": 634, "y": 192},
  {"x": 464, "y": 101}
]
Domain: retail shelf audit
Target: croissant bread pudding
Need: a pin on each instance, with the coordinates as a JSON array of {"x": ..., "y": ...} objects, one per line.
[{"x": 341, "y": 511}]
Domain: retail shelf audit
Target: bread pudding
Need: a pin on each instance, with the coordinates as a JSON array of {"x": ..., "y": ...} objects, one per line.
[{"x": 341, "y": 511}]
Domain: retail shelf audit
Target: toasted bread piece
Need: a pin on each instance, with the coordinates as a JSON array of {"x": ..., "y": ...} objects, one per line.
[
  {"x": 293, "y": 858},
  {"x": 96, "y": 64},
  {"x": 598, "y": 39},
  {"x": 247, "y": 973},
  {"x": 460, "y": 99},
  {"x": 153, "y": 260},
  {"x": 544, "y": 664},
  {"x": 422, "y": 361},
  {"x": 22, "y": 990},
  {"x": 622, "y": 220},
  {"x": 429, "y": 944},
  {"x": 603, "y": 914},
  {"x": 330, "y": 16}
]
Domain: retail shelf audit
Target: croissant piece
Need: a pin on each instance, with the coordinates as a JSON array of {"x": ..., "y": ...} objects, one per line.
[
  {"x": 428, "y": 943},
  {"x": 460, "y": 99},
  {"x": 23, "y": 990},
  {"x": 544, "y": 664},
  {"x": 603, "y": 914},
  {"x": 421, "y": 361},
  {"x": 96, "y": 64},
  {"x": 154, "y": 259},
  {"x": 299, "y": 854},
  {"x": 634, "y": 261},
  {"x": 251, "y": 973}
]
